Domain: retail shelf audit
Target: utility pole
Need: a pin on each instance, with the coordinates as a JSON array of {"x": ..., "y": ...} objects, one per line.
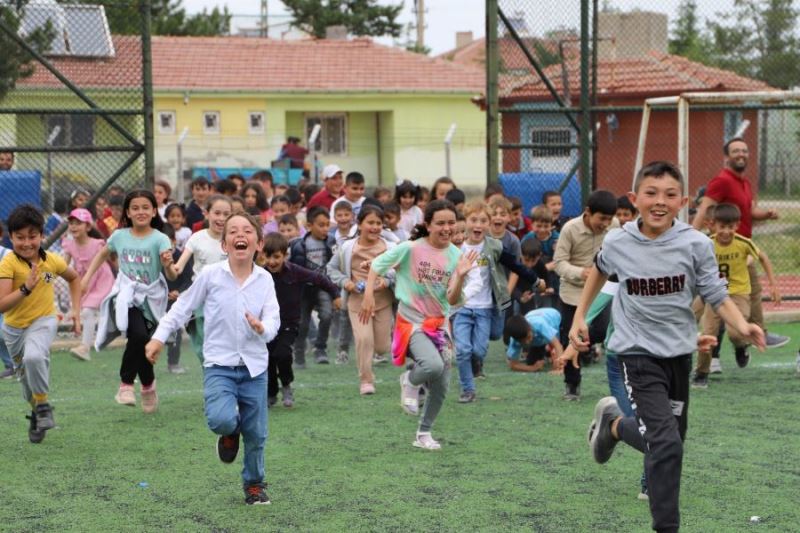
[
  {"x": 419, "y": 10},
  {"x": 264, "y": 19}
]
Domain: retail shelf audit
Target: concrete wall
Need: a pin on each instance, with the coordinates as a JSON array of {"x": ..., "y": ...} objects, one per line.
[{"x": 634, "y": 34}]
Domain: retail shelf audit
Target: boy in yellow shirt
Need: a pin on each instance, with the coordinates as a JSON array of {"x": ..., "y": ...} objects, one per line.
[
  {"x": 27, "y": 301},
  {"x": 733, "y": 253}
]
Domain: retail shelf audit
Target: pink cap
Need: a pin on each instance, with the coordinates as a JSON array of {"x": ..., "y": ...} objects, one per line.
[{"x": 81, "y": 214}]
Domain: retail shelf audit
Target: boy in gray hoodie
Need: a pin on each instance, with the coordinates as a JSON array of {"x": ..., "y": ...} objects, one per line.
[{"x": 661, "y": 264}]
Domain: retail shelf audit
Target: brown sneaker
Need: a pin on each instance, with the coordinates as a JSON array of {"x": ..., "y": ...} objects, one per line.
[
  {"x": 125, "y": 395},
  {"x": 150, "y": 399}
]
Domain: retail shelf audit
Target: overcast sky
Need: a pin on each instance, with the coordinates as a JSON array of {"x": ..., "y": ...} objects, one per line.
[{"x": 444, "y": 18}]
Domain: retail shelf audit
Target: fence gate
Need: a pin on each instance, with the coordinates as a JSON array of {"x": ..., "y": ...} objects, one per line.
[{"x": 72, "y": 106}]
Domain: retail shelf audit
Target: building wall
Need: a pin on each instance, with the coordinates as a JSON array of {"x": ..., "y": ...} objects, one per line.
[{"x": 411, "y": 127}]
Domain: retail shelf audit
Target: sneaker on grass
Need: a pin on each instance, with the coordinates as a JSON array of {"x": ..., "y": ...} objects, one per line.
[
  {"x": 149, "y": 399},
  {"x": 366, "y": 389},
  {"x": 426, "y": 441},
  {"x": 742, "y": 356},
  {"x": 44, "y": 417},
  {"x": 342, "y": 357},
  {"x": 409, "y": 395},
  {"x": 176, "y": 369},
  {"x": 125, "y": 395},
  {"x": 35, "y": 435},
  {"x": 716, "y": 366},
  {"x": 775, "y": 341},
  {"x": 700, "y": 381},
  {"x": 256, "y": 495},
  {"x": 288, "y": 396},
  {"x": 467, "y": 397},
  {"x": 572, "y": 393},
  {"x": 321, "y": 358},
  {"x": 81, "y": 352},
  {"x": 601, "y": 441},
  {"x": 8, "y": 373},
  {"x": 228, "y": 447}
]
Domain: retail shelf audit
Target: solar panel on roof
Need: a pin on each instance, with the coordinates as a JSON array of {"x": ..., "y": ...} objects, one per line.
[{"x": 80, "y": 30}]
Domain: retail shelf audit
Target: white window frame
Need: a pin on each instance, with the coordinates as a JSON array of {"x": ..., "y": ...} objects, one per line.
[
  {"x": 550, "y": 153},
  {"x": 167, "y": 130},
  {"x": 259, "y": 130},
  {"x": 323, "y": 148},
  {"x": 212, "y": 131}
]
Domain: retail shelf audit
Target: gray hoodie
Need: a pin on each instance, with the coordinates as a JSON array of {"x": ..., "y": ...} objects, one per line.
[{"x": 658, "y": 279}]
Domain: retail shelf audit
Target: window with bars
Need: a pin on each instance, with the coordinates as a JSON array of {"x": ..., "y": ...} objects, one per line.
[
  {"x": 554, "y": 136},
  {"x": 332, "y": 139},
  {"x": 69, "y": 130}
]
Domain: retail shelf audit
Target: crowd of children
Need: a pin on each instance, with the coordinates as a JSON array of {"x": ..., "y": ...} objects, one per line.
[{"x": 257, "y": 271}]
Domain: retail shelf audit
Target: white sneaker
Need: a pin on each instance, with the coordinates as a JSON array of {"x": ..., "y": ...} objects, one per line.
[
  {"x": 716, "y": 366},
  {"x": 378, "y": 359},
  {"x": 409, "y": 395},
  {"x": 426, "y": 442},
  {"x": 81, "y": 352},
  {"x": 342, "y": 357}
]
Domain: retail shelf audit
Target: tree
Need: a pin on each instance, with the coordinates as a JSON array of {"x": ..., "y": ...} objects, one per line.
[
  {"x": 168, "y": 17},
  {"x": 758, "y": 38},
  {"x": 360, "y": 17},
  {"x": 16, "y": 63},
  {"x": 689, "y": 39}
]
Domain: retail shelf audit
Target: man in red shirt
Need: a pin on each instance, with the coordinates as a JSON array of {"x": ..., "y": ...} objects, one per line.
[
  {"x": 332, "y": 190},
  {"x": 731, "y": 186}
]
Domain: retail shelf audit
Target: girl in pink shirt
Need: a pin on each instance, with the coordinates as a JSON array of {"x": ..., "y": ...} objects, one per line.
[{"x": 81, "y": 249}]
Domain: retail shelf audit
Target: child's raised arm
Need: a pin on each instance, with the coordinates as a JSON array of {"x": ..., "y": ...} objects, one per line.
[
  {"x": 8, "y": 298},
  {"x": 101, "y": 256}
]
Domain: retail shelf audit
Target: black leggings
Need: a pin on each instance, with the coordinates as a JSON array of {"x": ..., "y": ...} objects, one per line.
[
  {"x": 133, "y": 360},
  {"x": 280, "y": 360}
]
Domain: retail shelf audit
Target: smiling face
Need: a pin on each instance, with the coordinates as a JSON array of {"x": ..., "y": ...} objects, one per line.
[
  {"x": 334, "y": 184},
  {"x": 175, "y": 219},
  {"x": 289, "y": 230},
  {"x": 370, "y": 229},
  {"x": 140, "y": 212},
  {"x": 738, "y": 156},
  {"x": 460, "y": 233},
  {"x": 274, "y": 262},
  {"x": 78, "y": 229},
  {"x": 597, "y": 222},
  {"x": 499, "y": 221},
  {"x": 658, "y": 200},
  {"x": 441, "y": 228},
  {"x": 100, "y": 206},
  {"x": 542, "y": 229},
  {"x": 725, "y": 232},
  {"x": 219, "y": 212},
  {"x": 279, "y": 209},
  {"x": 477, "y": 225},
  {"x": 554, "y": 205},
  {"x": 624, "y": 215},
  {"x": 354, "y": 191},
  {"x": 79, "y": 200},
  {"x": 392, "y": 220},
  {"x": 161, "y": 194},
  {"x": 26, "y": 242},
  {"x": 240, "y": 239},
  {"x": 344, "y": 219},
  {"x": 407, "y": 201}
]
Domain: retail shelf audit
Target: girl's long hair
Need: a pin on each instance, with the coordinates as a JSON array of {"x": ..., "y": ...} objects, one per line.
[
  {"x": 421, "y": 230},
  {"x": 155, "y": 222}
]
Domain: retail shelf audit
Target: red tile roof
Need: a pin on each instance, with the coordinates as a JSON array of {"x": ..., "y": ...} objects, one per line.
[
  {"x": 266, "y": 65},
  {"x": 652, "y": 75}
]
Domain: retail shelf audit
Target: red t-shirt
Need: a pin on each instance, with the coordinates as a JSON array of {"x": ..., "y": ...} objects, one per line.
[
  {"x": 728, "y": 188},
  {"x": 323, "y": 198}
]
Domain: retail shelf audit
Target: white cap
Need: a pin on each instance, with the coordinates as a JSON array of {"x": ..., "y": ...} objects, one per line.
[{"x": 330, "y": 171}]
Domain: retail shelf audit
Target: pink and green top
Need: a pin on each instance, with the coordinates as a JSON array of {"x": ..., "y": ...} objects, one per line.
[{"x": 423, "y": 274}]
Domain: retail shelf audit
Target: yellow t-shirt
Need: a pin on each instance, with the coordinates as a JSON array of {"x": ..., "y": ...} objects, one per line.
[
  {"x": 732, "y": 261},
  {"x": 41, "y": 301}
]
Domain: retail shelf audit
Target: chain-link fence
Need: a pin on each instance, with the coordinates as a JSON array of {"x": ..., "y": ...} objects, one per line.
[
  {"x": 71, "y": 108},
  {"x": 545, "y": 84}
]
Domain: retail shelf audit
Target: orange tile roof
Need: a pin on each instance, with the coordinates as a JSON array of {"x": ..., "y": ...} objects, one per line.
[
  {"x": 651, "y": 75},
  {"x": 267, "y": 65}
]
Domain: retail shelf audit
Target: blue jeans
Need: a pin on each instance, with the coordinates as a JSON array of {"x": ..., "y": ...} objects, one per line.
[
  {"x": 471, "y": 328},
  {"x": 225, "y": 388},
  {"x": 616, "y": 383},
  {"x": 497, "y": 325},
  {"x": 5, "y": 357}
]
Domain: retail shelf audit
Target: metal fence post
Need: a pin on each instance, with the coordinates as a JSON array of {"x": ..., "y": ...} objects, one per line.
[
  {"x": 492, "y": 68},
  {"x": 147, "y": 97},
  {"x": 586, "y": 117}
]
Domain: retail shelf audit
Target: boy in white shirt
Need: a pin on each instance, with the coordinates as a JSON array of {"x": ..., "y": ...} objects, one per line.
[{"x": 243, "y": 316}]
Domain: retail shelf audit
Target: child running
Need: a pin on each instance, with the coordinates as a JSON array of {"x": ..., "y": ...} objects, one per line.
[
  {"x": 80, "y": 250},
  {"x": 289, "y": 280},
  {"x": 139, "y": 296},
  {"x": 430, "y": 275},
  {"x": 349, "y": 268},
  {"x": 205, "y": 248},
  {"x": 27, "y": 301},
  {"x": 243, "y": 316},
  {"x": 655, "y": 332}
]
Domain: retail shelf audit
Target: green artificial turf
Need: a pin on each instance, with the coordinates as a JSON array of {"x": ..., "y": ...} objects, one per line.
[{"x": 516, "y": 460}]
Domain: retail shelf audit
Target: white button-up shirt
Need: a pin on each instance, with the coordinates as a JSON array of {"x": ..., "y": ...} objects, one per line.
[{"x": 229, "y": 339}]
